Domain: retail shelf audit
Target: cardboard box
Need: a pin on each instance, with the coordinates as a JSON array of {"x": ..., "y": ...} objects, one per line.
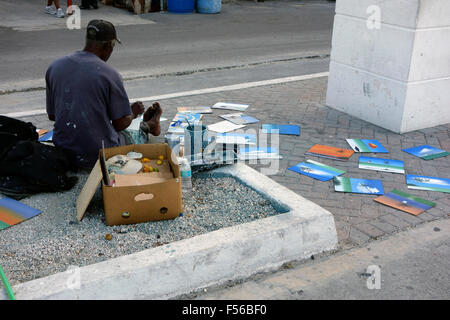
[{"x": 136, "y": 204}]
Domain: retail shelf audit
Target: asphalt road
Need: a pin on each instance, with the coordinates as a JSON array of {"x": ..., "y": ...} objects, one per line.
[{"x": 245, "y": 33}]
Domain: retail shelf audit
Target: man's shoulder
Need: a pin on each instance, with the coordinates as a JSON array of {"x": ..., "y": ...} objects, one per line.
[
  {"x": 59, "y": 61},
  {"x": 88, "y": 63}
]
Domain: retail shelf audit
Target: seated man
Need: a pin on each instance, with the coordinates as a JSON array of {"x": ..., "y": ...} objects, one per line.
[{"x": 87, "y": 100}]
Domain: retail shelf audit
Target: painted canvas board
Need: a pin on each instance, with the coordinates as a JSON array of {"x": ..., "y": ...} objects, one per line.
[
  {"x": 365, "y": 145},
  {"x": 13, "y": 212},
  {"x": 230, "y": 106},
  {"x": 427, "y": 152},
  {"x": 187, "y": 117},
  {"x": 405, "y": 202},
  {"x": 281, "y": 129},
  {"x": 330, "y": 152},
  {"x": 428, "y": 183},
  {"x": 252, "y": 153},
  {"x": 239, "y": 118},
  {"x": 316, "y": 170},
  {"x": 194, "y": 110},
  {"x": 236, "y": 138},
  {"x": 343, "y": 184},
  {"x": 379, "y": 164},
  {"x": 177, "y": 127},
  {"x": 46, "y": 137}
]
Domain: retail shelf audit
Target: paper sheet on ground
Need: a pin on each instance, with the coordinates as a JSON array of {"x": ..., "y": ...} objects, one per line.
[{"x": 224, "y": 126}]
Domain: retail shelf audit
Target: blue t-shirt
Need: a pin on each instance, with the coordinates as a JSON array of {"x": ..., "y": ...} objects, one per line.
[{"x": 84, "y": 94}]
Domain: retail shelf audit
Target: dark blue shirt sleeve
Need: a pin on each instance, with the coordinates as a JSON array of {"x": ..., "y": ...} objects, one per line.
[
  {"x": 119, "y": 104},
  {"x": 50, "y": 105}
]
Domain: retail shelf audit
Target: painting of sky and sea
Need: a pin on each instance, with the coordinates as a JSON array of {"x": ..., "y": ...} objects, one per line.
[
  {"x": 427, "y": 152},
  {"x": 288, "y": 129},
  {"x": 365, "y": 145},
  {"x": 405, "y": 202},
  {"x": 428, "y": 183},
  {"x": 343, "y": 184},
  {"x": 379, "y": 164},
  {"x": 316, "y": 170},
  {"x": 239, "y": 118}
]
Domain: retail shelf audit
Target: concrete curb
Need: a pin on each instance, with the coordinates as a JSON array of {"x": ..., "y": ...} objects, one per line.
[{"x": 210, "y": 259}]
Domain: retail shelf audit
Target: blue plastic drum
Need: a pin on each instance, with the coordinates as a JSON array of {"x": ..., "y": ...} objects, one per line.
[
  {"x": 209, "y": 6},
  {"x": 181, "y": 6}
]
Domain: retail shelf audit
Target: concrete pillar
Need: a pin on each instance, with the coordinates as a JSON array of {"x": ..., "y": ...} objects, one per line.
[{"x": 394, "y": 72}]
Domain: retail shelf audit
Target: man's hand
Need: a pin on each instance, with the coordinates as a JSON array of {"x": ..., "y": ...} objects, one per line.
[{"x": 137, "y": 108}]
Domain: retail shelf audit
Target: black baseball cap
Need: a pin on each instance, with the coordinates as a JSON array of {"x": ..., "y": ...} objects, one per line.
[{"x": 101, "y": 30}]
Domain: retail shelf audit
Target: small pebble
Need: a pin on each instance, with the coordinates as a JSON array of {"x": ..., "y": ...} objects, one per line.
[{"x": 108, "y": 236}]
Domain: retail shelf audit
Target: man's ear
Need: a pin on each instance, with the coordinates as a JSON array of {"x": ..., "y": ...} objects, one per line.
[{"x": 106, "y": 46}]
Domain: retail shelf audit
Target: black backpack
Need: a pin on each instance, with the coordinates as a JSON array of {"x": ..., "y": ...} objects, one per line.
[{"x": 28, "y": 166}]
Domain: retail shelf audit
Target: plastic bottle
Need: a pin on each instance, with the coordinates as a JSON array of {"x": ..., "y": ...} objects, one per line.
[{"x": 186, "y": 173}]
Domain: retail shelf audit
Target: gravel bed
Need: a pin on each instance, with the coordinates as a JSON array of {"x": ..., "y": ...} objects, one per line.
[{"x": 53, "y": 241}]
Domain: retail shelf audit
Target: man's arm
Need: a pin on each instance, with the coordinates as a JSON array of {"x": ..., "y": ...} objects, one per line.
[
  {"x": 49, "y": 97},
  {"x": 120, "y": 124}
]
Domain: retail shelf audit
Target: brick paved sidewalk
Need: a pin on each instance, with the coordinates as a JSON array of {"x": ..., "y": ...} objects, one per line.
[{"x": 358, "y": 218}]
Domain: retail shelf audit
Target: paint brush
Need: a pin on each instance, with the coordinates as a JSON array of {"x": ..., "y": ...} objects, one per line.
[{"x": 7, "y": 285}]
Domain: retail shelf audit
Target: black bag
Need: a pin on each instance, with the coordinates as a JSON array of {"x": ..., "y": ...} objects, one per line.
[
  {"x": 28, "y": 166},
  {"x": 22, "y": 130}
]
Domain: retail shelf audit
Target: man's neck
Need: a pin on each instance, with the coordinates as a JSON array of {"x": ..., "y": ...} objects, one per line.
[{"x": 93, "y": 51}]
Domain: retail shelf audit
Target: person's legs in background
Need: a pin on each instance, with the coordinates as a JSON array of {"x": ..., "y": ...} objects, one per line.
[
  {"x": 54, "y": 11},
  {"x": 86, "y": 4},
  {"x": 94, "y": 4}
]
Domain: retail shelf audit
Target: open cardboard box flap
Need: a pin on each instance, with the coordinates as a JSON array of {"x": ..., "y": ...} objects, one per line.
[{"x": 163, "y": 190}]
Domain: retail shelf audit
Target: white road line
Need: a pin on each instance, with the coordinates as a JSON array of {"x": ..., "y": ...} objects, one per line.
[{"x": 238, "y": 86}]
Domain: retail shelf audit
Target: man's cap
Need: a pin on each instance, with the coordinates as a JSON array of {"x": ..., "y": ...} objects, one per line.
[{"x": 101, "y": 30}]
